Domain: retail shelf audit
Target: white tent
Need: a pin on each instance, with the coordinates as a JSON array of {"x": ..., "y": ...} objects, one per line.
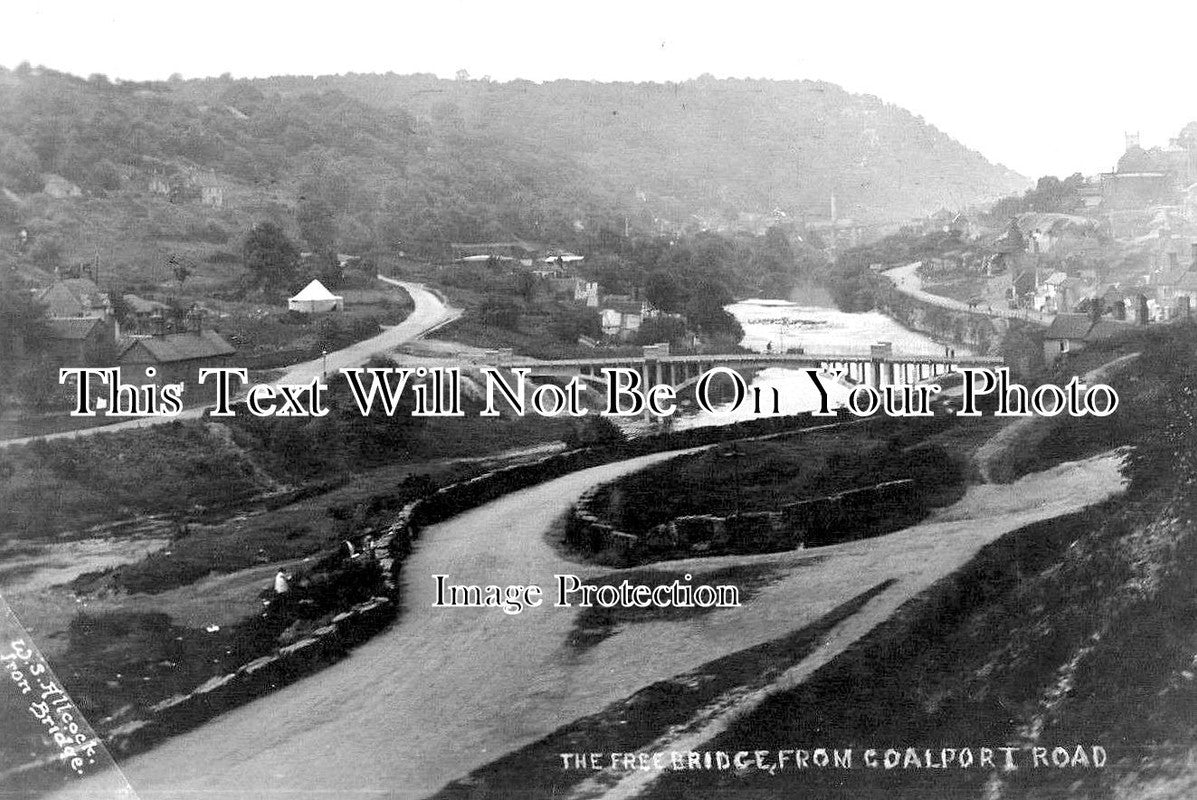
[{"x": 314, "y": 298}]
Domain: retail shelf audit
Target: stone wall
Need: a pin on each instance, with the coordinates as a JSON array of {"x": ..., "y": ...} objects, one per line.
[
  {"x": 976, "y": 330},
  {"x": 852, "y": 514}
]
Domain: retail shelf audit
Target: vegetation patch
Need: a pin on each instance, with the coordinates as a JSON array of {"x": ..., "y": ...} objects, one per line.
[{"x": 595, "y": 624}]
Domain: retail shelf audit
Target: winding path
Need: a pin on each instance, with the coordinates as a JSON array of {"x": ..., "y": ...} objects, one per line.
[
  {"x": 447, "y": 690},
  {"x": 907, "y": 281}
]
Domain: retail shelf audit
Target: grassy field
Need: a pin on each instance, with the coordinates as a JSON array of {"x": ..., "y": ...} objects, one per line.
[{"x": 764, "y": 476}]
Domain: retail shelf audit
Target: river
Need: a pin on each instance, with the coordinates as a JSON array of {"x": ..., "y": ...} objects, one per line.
[{"x": 780, "y": 325}]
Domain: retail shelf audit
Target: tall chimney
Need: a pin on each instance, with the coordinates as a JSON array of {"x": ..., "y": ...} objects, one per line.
[{"x": 1193, "y": 252}]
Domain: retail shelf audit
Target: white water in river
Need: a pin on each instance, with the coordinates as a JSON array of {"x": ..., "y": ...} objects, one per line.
[{"x": 782, "y": 325}]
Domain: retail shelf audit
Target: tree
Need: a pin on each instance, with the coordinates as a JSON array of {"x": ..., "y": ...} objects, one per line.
[
  {"x": 665, "y": 292},
  {"x": 705, "y": 310},
  {"x": 661, "y": 329},
  {"x": 500, "y": 311},
  {"x": 317, "y": 226},
  {"x": 594, "y": 431},
  {"x": 270, "y": 256},
  {"x": 571, "y": 323},
  {"x": 22, "y": 321},
  {"x": 777, "y": 245},
  {"x": 180, "y": 268}
]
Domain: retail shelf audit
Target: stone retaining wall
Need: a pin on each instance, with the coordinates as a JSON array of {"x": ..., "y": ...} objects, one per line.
[{"x": 806, "y": 523}]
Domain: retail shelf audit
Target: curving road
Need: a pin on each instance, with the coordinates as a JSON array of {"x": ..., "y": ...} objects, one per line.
[
  {"x": 446, "y": 690},
  {"x": 907, "y": 281},
  {"x": 429, "y": 313}
]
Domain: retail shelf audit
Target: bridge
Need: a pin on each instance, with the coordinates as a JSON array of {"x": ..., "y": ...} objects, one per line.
[{"x": 876, "y": 365}]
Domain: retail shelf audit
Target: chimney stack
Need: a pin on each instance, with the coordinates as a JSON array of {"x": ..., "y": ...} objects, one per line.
[
  {"x": 1193, "y": 256},
  {"x": 195, "y": 320}
]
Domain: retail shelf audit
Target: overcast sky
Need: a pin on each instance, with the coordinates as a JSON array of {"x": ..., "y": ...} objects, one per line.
[{"x": 1043, "y": 87}]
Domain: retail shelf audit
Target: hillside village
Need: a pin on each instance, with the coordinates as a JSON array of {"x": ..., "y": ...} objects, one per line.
[{"x": 1086, "y": 255}]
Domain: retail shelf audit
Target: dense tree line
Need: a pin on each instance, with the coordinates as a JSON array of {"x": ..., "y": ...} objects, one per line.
[{"x": 412, "y": 162}]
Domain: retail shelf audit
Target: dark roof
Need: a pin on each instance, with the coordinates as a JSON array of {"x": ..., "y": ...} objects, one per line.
[
  {"x": 622, "y": 306},
  {"x": 1069, "y": 326},
  {"x": 183, "y": 346},
  {"x": 71, "y": 327},
  {"x": 72, "y": 297}
]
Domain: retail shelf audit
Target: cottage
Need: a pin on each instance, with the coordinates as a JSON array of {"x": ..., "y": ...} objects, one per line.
[
  {"x": 1059, "y": 294},
  {"x": 80, "y": 341},
  {"x": 160, "y": 184},
  {"x": 75, "y": 297},
  {"x": 621, "y": 315},
  {"x": 211, "y": 188},
  {"x": 176, "y": 357},
  {"x": 1070, "y": 333},
  {"x": 142, "y": 310}
]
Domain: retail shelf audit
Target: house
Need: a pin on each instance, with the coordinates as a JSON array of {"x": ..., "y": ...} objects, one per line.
[
  {"x": 1070, "y": 333},
  {"x": 1050, "y": 296},
  {"x": 141, "y": 309},
  {"x": 1176, "y": 289},
  {"x": 159, "y": 184},
  {"x": 80, "y": 341},
  {"x": 315, "y": 299},
  {"x": 176, "y": 357},
  {"x": 1044, "y": 230},
  {"x": 575, "y": 289},
  {"x": 75, "y": 297},
  {"x": 621, "y": 316},
  {"x": 211, "y": 189}
]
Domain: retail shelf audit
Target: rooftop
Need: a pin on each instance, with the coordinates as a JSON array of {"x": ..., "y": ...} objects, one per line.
[{"x": 183, "y": 346}]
